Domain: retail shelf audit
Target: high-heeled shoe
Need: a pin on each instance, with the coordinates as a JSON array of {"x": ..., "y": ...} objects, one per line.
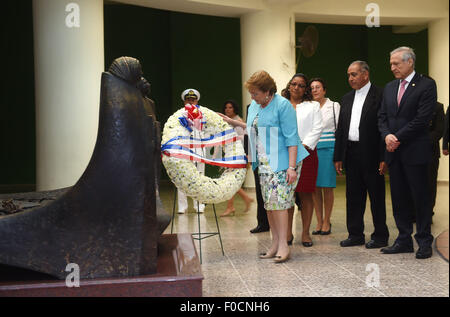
[
  {"x": 266, "y": 255},
  {"x": 290, "y": 241},
  {"x": 307, "y": 244},
  {"x": 281, "y": 259},
  {"x": 316, "y": 232},
  {"x": 228, "y": 213},
  {"x": 324, "y": 233}
]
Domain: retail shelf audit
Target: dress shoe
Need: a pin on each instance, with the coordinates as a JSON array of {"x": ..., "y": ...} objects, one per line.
[
  {"x": 397, "y": 248},
  {"x": 372, "y": 244},
  {"x": 424, "y": 253},
  {"x": 324, "y": 233},
  {"x": 307, "y": 244},
  {"x": 351, "y": 242},
  {"x": 316, "y": 232},
  {"x": 200, "y": 208},
  {"x": 259, "y": 229}
]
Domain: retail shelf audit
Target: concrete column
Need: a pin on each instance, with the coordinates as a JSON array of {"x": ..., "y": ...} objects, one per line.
[
  {"x": 438, "y": 55},
  {"x": 69, "y": 60},
  {"x": 267, "y": 43}
]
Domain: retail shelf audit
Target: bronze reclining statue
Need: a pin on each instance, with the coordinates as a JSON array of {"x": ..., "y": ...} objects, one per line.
[{"x": 109, "y": 222}]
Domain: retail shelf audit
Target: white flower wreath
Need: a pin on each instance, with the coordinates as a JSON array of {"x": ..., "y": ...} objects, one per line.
[{"x": 184, "y": 173}]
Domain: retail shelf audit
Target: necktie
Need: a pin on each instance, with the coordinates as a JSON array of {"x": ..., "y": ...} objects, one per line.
[{"x": 402, "y": 91}]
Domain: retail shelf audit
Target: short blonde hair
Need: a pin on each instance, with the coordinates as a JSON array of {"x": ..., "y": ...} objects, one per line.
[{"x": 263, "y": 81}]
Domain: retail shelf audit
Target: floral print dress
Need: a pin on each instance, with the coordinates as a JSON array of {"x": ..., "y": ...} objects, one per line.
[{"x": 277, "y": 193}]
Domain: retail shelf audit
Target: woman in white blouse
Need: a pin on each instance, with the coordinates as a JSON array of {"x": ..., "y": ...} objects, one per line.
[
  {"x": 309, "y": 125},
  {"x": 326, "y": 178}
]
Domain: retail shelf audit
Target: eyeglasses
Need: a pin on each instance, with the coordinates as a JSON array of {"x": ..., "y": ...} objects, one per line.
[{"x": 298, "y": 85}]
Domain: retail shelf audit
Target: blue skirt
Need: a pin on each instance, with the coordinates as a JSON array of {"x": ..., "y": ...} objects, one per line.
[{"x": 326, "y": 176}]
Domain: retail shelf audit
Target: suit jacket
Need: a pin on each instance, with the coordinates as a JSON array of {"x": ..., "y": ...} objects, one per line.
[
  {"x": 409, "y": 122},
  {"x": 445, "y": 137},
  {"x": 371, "y": 143},
  {"x": 437, "y": 129}
]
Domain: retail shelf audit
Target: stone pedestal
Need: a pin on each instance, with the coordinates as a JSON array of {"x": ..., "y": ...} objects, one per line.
[{"x": 178, "y": 275}]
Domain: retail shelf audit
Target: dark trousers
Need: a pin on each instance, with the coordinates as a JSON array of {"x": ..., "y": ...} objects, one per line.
[
  {"x": 433, "y": 168},
  {"x": 359, "y": 182},
  {"x": 433, "y": 174},
  {"x": 261, "y": 213},
  {"x": 409, "y": 192}
]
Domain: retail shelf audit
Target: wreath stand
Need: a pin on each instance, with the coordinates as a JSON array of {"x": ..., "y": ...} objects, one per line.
[{"x": 199, "y": 234}]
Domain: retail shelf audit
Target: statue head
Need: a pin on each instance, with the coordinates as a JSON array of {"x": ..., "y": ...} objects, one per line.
[{"x": 127, "y": 68}]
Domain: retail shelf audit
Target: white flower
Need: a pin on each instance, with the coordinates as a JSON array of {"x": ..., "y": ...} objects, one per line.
[{"x": 185, "y": 175}]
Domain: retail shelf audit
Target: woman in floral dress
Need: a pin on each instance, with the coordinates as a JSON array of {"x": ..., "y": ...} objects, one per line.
[{"x": 276, "y": 150}]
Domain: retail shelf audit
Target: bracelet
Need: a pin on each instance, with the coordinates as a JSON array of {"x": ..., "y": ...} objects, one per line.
[{"x": 292, "y": 168}]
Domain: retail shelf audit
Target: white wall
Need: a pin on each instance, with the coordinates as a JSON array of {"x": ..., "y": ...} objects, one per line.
[{"x": 438, "y": 55}]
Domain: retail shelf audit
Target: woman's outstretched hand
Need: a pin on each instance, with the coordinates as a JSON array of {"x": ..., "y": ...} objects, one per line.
[
  {"x": 225, "y": 118},
  {"x": 232, "y": 122}
]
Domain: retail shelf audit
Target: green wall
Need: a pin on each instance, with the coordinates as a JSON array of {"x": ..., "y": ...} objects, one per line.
[
  {"x": 177, "y": 51},
  {"x": 142, "y": 33},
  {"x": 17, "y": 123},
  {"x": 206, "y": 55},
  {"x": 339, "y": 45},
  {"x": 381, "y": 41}
]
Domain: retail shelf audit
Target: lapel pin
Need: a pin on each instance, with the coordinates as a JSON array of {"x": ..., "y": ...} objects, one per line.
[{"x": 413, "y": 84}]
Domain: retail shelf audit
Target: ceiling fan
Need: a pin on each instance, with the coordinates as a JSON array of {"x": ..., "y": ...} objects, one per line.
[{"x": 307, "y": 43}]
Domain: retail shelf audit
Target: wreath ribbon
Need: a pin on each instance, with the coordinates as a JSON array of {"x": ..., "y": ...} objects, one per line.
[{"x": 180, "y": 146}]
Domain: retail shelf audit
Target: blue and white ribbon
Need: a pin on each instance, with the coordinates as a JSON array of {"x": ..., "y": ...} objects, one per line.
[{"x": 180, "y": 147}]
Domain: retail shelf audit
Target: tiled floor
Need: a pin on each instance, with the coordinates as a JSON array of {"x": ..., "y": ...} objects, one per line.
[{"x": 326, "y": 269}]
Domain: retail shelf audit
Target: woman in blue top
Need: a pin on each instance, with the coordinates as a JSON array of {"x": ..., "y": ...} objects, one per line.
[
  {"x": 326, "y": 176},
  {"x": 276, "y": 150}
]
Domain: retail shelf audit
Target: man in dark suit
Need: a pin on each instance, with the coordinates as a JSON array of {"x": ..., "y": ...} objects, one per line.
[
  {"x": 436, "y": 129},
  {"x": 445, "y": 142},
  {"x": 360, "y": 150},
  {"x": 406, "y": 110}
]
